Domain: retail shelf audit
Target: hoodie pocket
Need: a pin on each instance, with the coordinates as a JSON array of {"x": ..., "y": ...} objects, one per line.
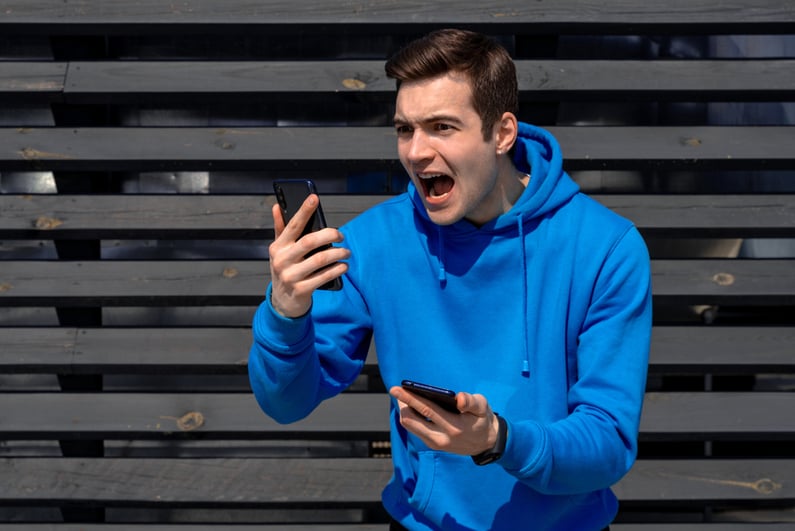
[
  {"x": 426, "y": 476},
  {"x": 457, "y": 495}
]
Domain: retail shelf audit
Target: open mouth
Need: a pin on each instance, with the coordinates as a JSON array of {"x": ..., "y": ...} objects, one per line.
[{"x": 436, "y": 185}]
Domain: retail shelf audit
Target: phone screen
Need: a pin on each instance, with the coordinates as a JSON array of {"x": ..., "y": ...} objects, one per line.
[
  {"x": 291, "y": 194},
  {"x": 438, "y": 395}
]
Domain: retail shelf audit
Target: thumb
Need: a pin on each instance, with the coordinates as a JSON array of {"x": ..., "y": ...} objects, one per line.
[{"x": 474, "y": 404}]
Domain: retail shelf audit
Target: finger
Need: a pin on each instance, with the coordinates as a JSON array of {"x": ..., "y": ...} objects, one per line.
[
  {"x": 474, "y": 404},
  {"x": 278, "y": 220},
  {"x": 421, "y": 408},
  {"x": 299, "y": 220}
]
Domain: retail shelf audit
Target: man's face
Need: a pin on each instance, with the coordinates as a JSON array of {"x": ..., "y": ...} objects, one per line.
[{"x": 441, "y": 145}]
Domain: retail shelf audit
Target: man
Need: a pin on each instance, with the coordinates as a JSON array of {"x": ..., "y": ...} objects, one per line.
[{"x": 492, "y": 276}]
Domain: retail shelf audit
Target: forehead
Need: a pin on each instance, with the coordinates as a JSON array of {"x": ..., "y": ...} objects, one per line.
[{"x": 448, "y": 94}]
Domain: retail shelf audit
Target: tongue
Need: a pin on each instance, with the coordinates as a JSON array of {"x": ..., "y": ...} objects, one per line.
[{"x": 441, "y": 185}]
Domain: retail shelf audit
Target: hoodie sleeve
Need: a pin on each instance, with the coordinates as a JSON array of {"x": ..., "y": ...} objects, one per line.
[
  {"x": 596, "y": 444},
  {"x": 293, "y": 367}
]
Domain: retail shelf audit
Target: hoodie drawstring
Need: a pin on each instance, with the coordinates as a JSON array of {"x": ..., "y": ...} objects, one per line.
[
  {"x": 525, "y": 324},
  {"x": 440, "y": 243}
]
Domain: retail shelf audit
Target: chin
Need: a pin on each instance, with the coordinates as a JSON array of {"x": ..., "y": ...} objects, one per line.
[{"x": 442, "y": 217}]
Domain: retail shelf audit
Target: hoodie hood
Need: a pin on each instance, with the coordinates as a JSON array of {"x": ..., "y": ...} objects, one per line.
[{"x": 538, "y": 154}]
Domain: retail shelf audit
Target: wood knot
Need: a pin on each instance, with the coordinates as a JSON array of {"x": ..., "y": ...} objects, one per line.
[
  {"x": 190, "y": 421},
  {"x": 692, "y": 142},
  {"x": 223, "y": 144},
  {"x": 723, "y": 279},
  {"x": 353, "y": 83},
  {"x": 230, "y": 272},
  {"x": 46, "y": 223},
  {"x": 766, "y": 486},
  {"x": 5, "y": 286}
]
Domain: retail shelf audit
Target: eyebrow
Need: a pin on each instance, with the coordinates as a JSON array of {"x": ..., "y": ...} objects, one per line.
[{"x": 441, "y": 117}]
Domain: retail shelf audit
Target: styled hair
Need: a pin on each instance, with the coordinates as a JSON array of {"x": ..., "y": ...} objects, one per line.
[{"x": 485, "y": 63}]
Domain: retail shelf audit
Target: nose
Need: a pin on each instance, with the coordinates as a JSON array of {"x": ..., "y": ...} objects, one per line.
[{"x": 418, "y": 148}]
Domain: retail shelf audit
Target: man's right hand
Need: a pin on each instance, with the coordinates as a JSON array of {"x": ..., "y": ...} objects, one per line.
[{"x": 294, "y": 275}]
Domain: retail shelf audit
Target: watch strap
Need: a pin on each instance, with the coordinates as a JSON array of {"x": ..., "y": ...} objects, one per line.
[{"x": 495, "y": 452}]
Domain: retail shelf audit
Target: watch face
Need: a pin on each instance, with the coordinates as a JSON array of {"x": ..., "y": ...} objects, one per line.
[{"x": 486, "y": 459}]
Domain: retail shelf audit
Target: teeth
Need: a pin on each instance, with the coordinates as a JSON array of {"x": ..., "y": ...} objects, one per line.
[{"x": 430, "y": 175}]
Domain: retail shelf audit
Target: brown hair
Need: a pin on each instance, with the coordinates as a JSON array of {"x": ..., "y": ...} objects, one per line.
[{"x": 487, "y": 65}]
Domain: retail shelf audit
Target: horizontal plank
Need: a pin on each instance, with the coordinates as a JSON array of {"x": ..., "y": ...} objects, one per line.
[
  {"x": 150, "y": 16},
  {"x": 715, "y": 480},
  {"x": 207, "y": 350},
  {"x": 209, "y": 483},
  {"x": 726, "y": 415},
  {"x": 717, "y": 349},
  {"x": 243, "y": 282},
  {"x": 727, "y": 526},
  {"x": 693, "y": 80},
  {"x": 752, "y": 282},
  {"x": 248, "y": 216},
  {"x": 97, "y": 283},
  {"x": 175, "y": 216},
  {"x": 258, "y": 148},
  {"x": 32, "y": 81},
  {"x": 257, "y": 482},
  {"x": 753, "y": 416},
  {"x": 184, "y": 415},
  {"x": 21, "y": 526}
]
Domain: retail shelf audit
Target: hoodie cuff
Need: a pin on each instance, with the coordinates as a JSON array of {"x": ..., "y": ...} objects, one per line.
[
  {"x": 526, "y": 445},
  {"x": 283, "y": 334}
]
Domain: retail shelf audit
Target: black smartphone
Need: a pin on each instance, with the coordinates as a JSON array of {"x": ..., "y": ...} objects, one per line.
[
  {"x": 438, "y": 395},
  {"x": 291, "y": 194}
]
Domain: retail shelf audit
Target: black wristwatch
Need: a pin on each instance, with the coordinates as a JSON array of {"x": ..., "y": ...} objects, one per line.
[{"x": 494, "y": 453}]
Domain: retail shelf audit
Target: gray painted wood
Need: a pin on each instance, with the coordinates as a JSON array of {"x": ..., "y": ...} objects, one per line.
[
  {"x": 150, "y": 16},
  {"x": 191, "y": 148}
]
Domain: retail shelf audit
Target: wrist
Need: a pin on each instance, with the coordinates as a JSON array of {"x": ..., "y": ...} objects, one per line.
[{"x": 496, "y": 451}]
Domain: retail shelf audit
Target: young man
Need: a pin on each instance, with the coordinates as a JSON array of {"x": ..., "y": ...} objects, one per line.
[{"x": 492, "y": 276}]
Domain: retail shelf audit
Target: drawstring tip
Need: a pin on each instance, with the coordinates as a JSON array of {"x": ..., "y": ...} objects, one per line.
[{"x": 525, "y": 368}]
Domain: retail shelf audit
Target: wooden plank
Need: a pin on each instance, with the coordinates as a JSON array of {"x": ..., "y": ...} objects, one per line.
[
  {"x": 752, "y": 282},
  {"x": 716, "y": 349},
  {"x": 704, "y": 526},
  {"x": 713, "y": 416},
  {"x": 21, "y": 526},
  {"x": 258, "y": 148},
  {"x": 248, "y": 216},
  {"x": 243, "y": 283},
  {"x": 107, "y": 350},
  {"x": 100, "y": 283},
  {"x": 691, "y": 80},
  {"x": 728, "y": 526},
  {"x": 168, "y": 216},
  {"x": 26, "y": 350},
  {"x": 719, "y": 481},
  {"x": 184, "y": 416},
  {"x": 39, "y": 81},
  {"x": 261, "y": 482},
  {"x": 716, "y": 216},
  {"x": 568, "y": 16},
  {"x": 753, "y": 416},
  {"x": 209, "y": 350},
  {"x": 208, "y": 483}
]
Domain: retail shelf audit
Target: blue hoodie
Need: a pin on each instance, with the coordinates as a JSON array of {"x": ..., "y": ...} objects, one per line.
[{"x": 545, "y": 310}]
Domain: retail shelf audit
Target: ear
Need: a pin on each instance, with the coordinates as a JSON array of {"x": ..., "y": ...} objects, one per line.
[{"x": 505, "y": 132}]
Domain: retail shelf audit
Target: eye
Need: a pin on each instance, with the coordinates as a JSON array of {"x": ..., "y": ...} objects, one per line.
[
  {"x": 403, "y": 130},
  {"x": 442, "y": 127}
]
